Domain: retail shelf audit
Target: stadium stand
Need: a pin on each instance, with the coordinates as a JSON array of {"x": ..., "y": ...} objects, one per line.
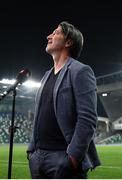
[
  {"x": 23, "y": 130},
  {"x": 110, "y": 94},
  {"x": 114, "y": 139}
]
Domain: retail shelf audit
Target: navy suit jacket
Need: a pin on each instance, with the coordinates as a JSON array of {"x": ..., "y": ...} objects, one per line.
[{"x": 75, "y": 104}]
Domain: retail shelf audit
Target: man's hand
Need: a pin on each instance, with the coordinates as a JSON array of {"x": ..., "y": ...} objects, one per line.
[
  {"x": 74, "y": 161},
  {"x": 29, "y": 154}
]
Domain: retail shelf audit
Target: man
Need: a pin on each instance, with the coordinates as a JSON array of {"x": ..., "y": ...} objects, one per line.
[{"x": 65, "y": 114}]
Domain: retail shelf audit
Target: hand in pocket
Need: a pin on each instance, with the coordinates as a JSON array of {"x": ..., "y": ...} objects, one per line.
[{"x": 65, "y": 168}]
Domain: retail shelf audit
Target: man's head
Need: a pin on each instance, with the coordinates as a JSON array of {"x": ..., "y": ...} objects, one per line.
[
  {"x": 65, "y": 37},
  {"x": 72, "y": 34}
]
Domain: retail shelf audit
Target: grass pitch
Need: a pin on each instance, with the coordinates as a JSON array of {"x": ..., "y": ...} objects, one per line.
[{"x": 111, "y": 159}]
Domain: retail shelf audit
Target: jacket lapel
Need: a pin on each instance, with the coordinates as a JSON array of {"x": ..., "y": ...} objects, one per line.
[
  {"x": 59, "y": 80},
  {"x": 42, "y": 83}
]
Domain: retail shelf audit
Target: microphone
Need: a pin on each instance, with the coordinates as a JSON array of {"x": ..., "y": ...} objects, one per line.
[
  {"x": 23, "y": 76},
  {"x": 20, "y": 78}
]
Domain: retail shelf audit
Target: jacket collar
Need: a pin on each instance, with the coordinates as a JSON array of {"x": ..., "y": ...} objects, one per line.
[{"x": 59, "y": 80}]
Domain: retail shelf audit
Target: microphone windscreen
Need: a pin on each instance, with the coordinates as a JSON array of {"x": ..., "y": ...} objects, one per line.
[{"x": 23, "y": 75}]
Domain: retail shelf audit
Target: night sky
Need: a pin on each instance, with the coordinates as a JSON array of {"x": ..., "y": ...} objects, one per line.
[{"x": 24, "y": 27}]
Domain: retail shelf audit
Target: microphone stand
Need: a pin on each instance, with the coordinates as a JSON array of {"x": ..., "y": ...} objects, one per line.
[
  {"x": 12, "y": 130},
  {"x": 22, "y": 76}
]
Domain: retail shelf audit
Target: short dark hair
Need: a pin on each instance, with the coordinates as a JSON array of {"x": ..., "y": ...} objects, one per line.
[{"x": 73, "y": 34}]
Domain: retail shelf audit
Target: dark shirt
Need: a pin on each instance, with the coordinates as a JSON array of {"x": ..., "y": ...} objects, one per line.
[{"x": 48, "y": 133}]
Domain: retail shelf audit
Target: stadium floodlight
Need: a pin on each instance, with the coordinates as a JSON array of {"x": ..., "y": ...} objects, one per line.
[
  {"x": 32, "y": 84},
  {"x": 28, "y": 83},
  {"x": 4, "y": 87},
  {"x": 7, "y": 81},
  {"x": 104, "y": 94}
]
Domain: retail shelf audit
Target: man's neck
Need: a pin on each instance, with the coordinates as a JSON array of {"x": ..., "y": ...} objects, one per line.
[{"x": 59, "y": 62}]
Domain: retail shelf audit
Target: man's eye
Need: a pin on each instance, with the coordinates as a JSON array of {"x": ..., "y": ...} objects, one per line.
[{"x": 56, "y": 32}]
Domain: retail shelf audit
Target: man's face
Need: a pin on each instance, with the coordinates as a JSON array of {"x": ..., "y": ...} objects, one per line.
[{"x": 56, "y": 41}]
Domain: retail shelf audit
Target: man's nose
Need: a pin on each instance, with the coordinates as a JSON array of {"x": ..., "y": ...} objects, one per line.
[{"x": 49, "y": 36}]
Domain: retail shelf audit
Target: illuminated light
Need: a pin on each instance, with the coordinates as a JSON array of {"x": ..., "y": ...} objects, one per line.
[
  {"x": 104, "y": 94},
  {"x": 7, "y": 81},
  {"x": 4, "y": 87},
  {"x": 28, "y": 83}
]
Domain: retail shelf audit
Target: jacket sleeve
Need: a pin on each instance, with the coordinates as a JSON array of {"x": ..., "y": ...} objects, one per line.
[
  {"x": 84, "y": 88},
  {"x": 31, "y": 145}
]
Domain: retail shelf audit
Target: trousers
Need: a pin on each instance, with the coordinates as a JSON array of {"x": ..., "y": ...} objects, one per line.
[{"x": 51, "y": 164}]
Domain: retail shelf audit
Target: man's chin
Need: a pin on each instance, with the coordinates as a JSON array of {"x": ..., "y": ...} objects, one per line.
[{"x": 48, "y": 50}]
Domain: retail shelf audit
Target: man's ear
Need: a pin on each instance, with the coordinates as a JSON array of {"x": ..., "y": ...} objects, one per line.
[{"x": 69, "y": 43}]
